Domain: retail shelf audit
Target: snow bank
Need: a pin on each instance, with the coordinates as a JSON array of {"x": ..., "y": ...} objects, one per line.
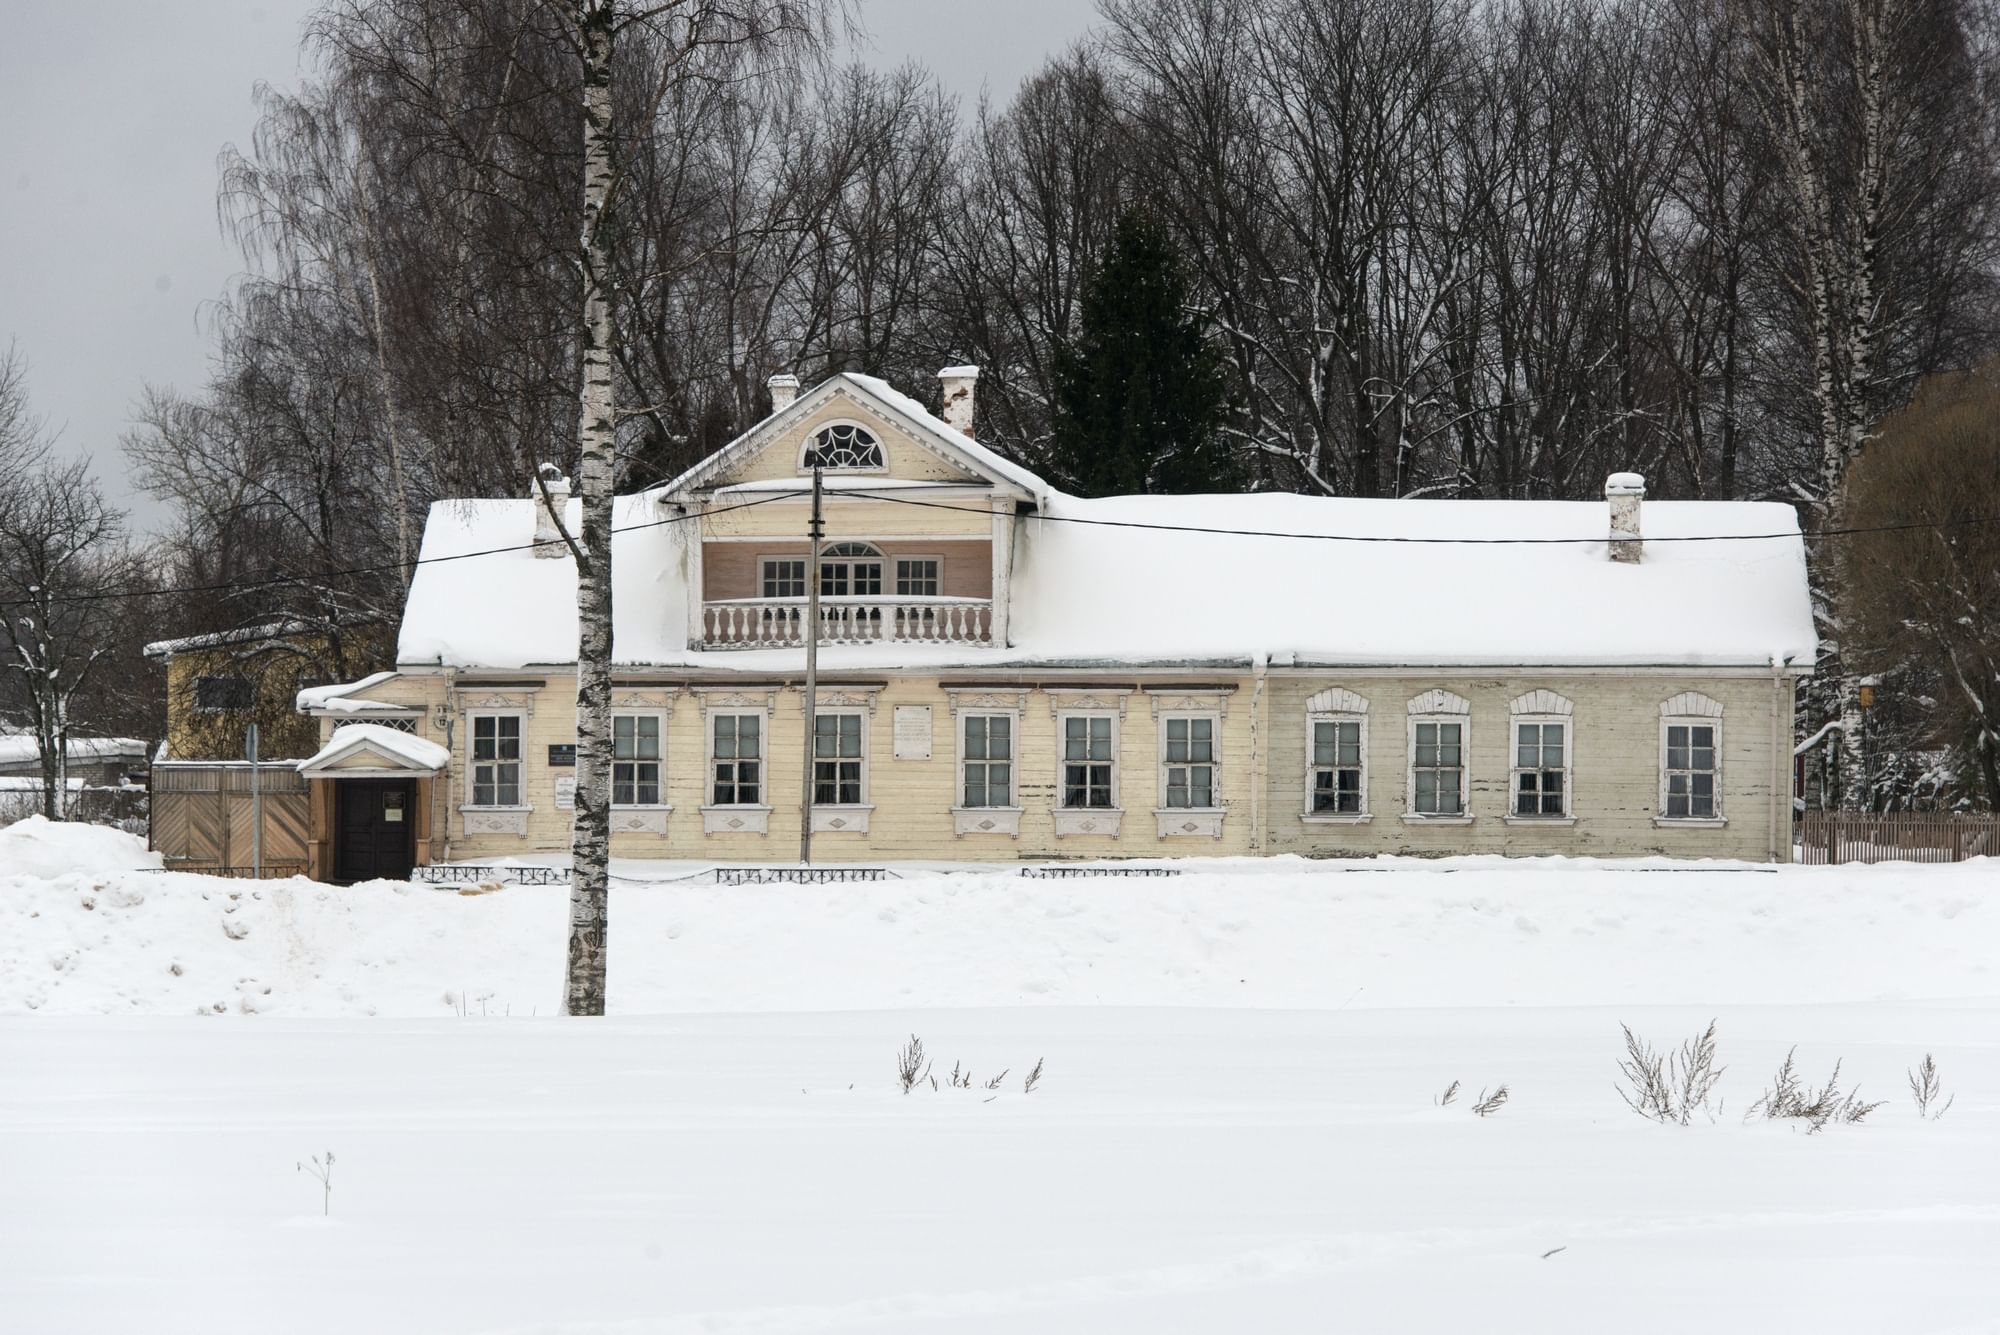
[
  {"x": 39, "y": 848},
  {"x": 1282, "y": 933}
]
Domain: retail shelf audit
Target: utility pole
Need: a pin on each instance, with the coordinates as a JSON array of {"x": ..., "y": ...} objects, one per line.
[{"x": 813, "y": 531}]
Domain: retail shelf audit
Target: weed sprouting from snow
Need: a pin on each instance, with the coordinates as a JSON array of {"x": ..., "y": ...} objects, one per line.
[
  {"x": 913, "y": 1068},
  {"x": 910, "y": 1066},
  {"x": 1449, "y": 1097},
  {"x": 1491, "y": 1103},
  {"x": 1791, "y": 1098},
  {"x": 1669, "y": 1088},
  {"x": 1926, "y": 1088},
  {"x": 322, "y": 1173}
]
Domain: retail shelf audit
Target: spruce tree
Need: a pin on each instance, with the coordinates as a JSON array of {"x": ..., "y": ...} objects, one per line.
[{"x": 1139, "y": 391}]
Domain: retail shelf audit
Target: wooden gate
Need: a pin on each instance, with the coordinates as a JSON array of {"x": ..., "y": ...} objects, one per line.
[
  {"x": 202, "y": 817},
  {"x": 1831, "y": 837}
]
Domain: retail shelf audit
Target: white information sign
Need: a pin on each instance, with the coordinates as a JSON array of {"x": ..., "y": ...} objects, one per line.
[
  {"x": 566, "y": 793},
  {"x": 913, "y": 732}
]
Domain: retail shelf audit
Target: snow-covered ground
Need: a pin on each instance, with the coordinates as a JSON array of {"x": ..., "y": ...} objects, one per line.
[{"x": 1235, "y": 1129}]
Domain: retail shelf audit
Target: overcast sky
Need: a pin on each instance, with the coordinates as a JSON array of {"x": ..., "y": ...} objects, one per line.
[{"x": 109, "y": 244}]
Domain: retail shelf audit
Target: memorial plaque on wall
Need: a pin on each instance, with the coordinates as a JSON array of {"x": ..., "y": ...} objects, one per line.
[
  {"x": 562, "y": 755},
  {"x": 566, "y": 793},
  {"x": 913, "y": 732}
]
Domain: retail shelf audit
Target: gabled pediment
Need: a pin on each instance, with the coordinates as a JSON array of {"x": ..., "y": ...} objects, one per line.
[
  {"x": 863, "y": 429},
  {"x": 369, "y": 750}
]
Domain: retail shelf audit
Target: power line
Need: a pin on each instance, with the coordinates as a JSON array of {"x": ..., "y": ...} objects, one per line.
[
  {"x": 1455, "y": 542},
  {"x": 275, "y": 581}
]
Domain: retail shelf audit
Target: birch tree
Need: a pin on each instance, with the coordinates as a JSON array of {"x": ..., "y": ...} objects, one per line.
[{"x": 687, "y": 41}]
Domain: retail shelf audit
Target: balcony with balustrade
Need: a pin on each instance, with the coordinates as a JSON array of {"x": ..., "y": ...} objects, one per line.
[{"x": 931, "y": 591}]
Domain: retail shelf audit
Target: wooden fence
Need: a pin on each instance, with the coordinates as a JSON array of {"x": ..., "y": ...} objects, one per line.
[
  {"x": 201, "y": 817},
  {"x": 1832, "y": 837}
]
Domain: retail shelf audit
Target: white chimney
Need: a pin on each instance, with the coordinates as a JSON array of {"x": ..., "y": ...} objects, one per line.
[
  {"x": 548, "y": 538},
  {"x": 784, "y": 388},
  {"x": 1624, "y": 491},
  {"x": 957, "y": 409}
]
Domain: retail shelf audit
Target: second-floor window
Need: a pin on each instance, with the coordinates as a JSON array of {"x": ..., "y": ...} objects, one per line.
[
  {"x": 842, "y": 448},
  {"x": 784, "y": 577},
  {"x": 850, "y": 569},
  {"x": 1437, "y": 768},
  {"x": 223, "y": 695},
  {"x": 1337, "y": 767}
]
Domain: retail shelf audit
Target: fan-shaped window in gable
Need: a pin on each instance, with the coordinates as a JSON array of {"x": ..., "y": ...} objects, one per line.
[{"x": 842, "y": 447}]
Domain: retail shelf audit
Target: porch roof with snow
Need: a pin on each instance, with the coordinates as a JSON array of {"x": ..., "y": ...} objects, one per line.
[{"x": 369, "y": 750}]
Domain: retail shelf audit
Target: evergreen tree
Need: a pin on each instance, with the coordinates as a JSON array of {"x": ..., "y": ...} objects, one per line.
[{"x": 1139, "y": 392}]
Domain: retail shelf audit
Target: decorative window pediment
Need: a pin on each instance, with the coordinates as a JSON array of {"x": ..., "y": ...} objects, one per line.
[
  {"x": 1440, "y": 701},
  {"x": 1337, "y": 700},
  {"x": 1546, "y": 703},
  {"x": 842, "y": 447},
  {"x": 1691, "y": 704}
]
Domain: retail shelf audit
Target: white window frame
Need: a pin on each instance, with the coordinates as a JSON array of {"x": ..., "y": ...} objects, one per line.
[
  {"x": 660, "y": 718},
  {"x": 1541, "y": 707},
  {"x": 1181, "y": 822},
  {"x": 735, "y": 817},
  {"x": 892, "y": 579},
  {"x": 1311, "y": 815},
  {"x": 1089, "y": 820},
  {"x": 844, "y": 817},
  {"x": 764, "y": 563},
  {"x": 1438, "y": 706},
  {"x": 1691, "y": 713},
  {"x": 987, "y": 820},
  {"x": 472, "y": 763},
  {"x": 1515, "y": 769},
  {"x": 874, "y": 434}
]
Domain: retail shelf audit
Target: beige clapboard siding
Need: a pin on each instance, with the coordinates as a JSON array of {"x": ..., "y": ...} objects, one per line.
[
  {"x": 860, "y": 520},
  {"x": 732, "y": 569},
  {"x": 905, "y": 458},
  {"x": 1615, "y": 768},
  {"x": 1615, "y": 774}
]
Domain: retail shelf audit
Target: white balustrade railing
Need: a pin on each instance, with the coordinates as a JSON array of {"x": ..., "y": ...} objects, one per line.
[{"x": 777, "y": 623}]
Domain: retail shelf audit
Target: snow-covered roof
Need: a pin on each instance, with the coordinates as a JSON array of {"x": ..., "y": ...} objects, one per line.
[
  {"x": 404, "y": 751},
  {"x": 268, "y": 630},
  {"x": 339, "y": 699},
  {"x": 1090, "y": 590},
  {"x": 886, "y": 396},
  {"x": 21, "y": 748}
]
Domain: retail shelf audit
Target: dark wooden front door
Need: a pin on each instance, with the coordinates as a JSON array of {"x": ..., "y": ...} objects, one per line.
[{"x": 375, "y": 822}]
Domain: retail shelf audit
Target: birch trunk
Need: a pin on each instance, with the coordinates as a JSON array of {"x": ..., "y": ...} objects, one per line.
[{"x": 590, "y": 846}]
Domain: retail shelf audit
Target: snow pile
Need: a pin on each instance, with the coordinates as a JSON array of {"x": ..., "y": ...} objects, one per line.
[
  {"x": 1277, "y": 933},
  {"x": 62, "y": 852}
]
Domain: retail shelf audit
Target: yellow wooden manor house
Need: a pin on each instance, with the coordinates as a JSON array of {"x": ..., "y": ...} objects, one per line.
[{"x": 1008, "y": 672}]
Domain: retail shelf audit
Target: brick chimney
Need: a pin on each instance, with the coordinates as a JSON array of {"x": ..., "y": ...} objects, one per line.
[
  {"x": 1623, "y": 492},
  {"x": 784, "y": 389},
  {"x": 958, "y": 383},
  {"x": 548, "y": 538}
]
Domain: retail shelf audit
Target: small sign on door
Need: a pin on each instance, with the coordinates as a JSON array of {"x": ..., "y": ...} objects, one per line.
[{"x": 392, "y": 806}]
